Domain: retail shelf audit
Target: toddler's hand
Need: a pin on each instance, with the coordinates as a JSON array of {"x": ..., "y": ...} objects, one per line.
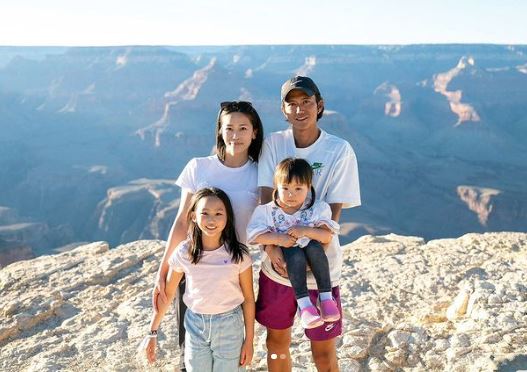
[
  {"x": 287, "y": 240},
  {"x": 296, "y": 231}
]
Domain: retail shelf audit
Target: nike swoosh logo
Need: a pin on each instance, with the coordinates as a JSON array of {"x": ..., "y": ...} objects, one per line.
[{"x": 329, "y": 327}]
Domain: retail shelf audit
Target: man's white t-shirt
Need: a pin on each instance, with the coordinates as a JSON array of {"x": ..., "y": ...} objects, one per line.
[
  {"x": 335, "y": 179},
  {"x": 212, "y": 285},
  {"x": 238, "y": 183}
]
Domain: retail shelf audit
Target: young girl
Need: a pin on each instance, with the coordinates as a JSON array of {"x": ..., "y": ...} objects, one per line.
[
  {"x": 299, "y": 225},
  {"x": 218, "y": 280}
]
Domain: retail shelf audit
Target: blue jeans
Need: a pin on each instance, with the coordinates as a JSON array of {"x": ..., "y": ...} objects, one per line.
[
  {"x": 297, "y": 260},
  {"x": 214, "y": 342}
]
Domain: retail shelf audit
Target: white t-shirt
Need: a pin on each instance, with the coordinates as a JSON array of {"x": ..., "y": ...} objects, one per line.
[
  {"x": 212, "y": 286},
  {"x": 271, "y": 218},
  {"x": 238, "y": 183},
  {"x": 335, "y": 179}
]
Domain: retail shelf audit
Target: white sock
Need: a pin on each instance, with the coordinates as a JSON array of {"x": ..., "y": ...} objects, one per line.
[
  {"x": 304, "y": 302},
  {"x": 325, "y": 296}
]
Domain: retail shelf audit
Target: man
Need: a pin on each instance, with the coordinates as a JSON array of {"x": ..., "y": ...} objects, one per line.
[{"x": 336, "y": 182}]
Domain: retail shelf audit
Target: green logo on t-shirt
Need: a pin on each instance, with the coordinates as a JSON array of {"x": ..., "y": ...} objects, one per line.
[{"x": 317, "y": 168}]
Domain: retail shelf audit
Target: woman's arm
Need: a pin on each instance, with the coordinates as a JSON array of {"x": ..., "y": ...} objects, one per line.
[
  {"x": 172, "y": 283},
  {"x": 248, "y": 306},
  {"x": 178, "y": 233}
]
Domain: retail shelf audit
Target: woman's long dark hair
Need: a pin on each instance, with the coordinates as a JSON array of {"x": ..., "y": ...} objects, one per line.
[
  {"x": 247, "y": 109},
  {"x": 294, "y": 169},
  {"x": 228, "y": 235}
]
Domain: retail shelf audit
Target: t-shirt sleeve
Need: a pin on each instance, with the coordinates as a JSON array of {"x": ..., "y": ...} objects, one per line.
[
  {"x": 257, "y": 224},
  {"x": 323, "y": 212},
  {"x": 266, "y": 165},
  {"x": 187, "y": 178},
  {"x": 344, "y": 186},
  {"x": 246, "y": 263},
  {"x": 176, "y": 259}
]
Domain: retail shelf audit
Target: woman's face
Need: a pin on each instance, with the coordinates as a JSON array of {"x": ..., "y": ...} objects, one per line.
[{"x": 237, "y": 132}]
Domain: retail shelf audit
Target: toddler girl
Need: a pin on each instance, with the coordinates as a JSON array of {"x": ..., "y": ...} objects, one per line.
[{"x": 299, "y": 225}]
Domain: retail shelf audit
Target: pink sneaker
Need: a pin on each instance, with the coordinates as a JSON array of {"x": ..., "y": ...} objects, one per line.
[
  {"x": 309, "y": 317},
  {"x": 329, "y": 310}
]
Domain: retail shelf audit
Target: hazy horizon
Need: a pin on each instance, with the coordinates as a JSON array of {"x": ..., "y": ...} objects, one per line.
[{"x": 308, "y": 22}]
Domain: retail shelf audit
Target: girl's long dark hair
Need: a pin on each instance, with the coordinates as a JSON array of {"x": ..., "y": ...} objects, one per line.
[
  {"x": 228, "y": 235},
  {"x": 294, "y": 169}
]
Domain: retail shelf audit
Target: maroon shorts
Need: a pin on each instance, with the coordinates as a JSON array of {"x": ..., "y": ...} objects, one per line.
[{"x": 276, "y": 309}]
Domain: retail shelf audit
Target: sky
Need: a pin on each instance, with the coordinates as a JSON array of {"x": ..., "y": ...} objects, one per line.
[{"x": 239, "y": 22}]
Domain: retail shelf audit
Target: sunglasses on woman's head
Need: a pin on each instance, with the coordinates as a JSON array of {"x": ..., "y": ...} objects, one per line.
[{"x": 236, "y": 106}]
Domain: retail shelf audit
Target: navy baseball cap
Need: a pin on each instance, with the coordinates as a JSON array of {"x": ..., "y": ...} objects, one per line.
[{"x": 303, "y": 83}]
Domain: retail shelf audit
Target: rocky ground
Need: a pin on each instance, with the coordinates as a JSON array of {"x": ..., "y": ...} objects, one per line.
[{"x": 449, "y": 304}]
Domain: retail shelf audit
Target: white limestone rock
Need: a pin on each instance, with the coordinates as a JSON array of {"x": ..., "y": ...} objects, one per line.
[{"x": 89, "y": 308}]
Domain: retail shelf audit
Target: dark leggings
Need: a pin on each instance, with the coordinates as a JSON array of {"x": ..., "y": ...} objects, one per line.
[
  {"x": 297, "y": 260},
  {"x": 181, "y": 308}
]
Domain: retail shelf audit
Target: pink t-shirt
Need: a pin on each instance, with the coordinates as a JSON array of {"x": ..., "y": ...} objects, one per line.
[{"x": 213, "y": 284}]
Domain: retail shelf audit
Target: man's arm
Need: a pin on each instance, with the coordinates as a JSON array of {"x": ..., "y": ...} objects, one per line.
[
  {"x": 274, "y": 252},
  {"x": 336, "y": 209}
]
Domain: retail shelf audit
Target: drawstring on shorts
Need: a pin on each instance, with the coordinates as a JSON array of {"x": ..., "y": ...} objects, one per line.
[{"x": 210, "y": 326}]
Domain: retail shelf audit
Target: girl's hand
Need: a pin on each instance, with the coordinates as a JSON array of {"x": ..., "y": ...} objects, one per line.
[
  {"x": 296, "y": 231},
  {"x": 148, "y": 346},
  {"x": 159, "y": 293},
  {"x": 246, "y": 355},
  {"x": 287, "y": 240}
]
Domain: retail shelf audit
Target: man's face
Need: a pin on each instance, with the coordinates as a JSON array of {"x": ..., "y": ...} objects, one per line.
[{"x": 301, "y": 110}]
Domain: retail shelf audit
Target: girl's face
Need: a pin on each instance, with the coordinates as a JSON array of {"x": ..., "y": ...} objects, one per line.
[
  {"x": 237, "y": 132},
  {"x": 292, "y": 195},
  {"x": 211, "y": 216}
]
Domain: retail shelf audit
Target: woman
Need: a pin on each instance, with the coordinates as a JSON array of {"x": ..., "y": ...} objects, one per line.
[{"x": 233, "y": 169}]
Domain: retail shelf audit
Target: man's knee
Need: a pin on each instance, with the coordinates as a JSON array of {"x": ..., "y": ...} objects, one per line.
[
  {"x": 322, "y": 357},
  {"x": 325, "y": 360},
  {"x": 278, "y": 341}
]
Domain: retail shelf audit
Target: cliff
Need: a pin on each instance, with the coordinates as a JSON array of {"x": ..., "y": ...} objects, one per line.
[{"x": 449, "y": 304}]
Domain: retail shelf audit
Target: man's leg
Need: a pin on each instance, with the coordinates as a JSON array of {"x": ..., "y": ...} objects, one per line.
[
  {"x": 325, "y": 355},
  {"x": 278, "y": 356}
]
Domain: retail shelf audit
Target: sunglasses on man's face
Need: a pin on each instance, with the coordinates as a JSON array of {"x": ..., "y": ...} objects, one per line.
[{"x": 236, "y": 106}]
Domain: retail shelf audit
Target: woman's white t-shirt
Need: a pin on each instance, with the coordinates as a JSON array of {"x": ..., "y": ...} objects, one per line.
[
  {"x": 212, "y": 286},
  {"x": 240, "y": 184}
]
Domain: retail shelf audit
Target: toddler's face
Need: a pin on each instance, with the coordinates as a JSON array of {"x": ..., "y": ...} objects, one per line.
[{"x": 292, "y": 194}]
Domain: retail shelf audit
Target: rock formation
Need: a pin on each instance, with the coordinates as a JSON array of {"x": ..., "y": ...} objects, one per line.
[{"x": 449, "y": 304}]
